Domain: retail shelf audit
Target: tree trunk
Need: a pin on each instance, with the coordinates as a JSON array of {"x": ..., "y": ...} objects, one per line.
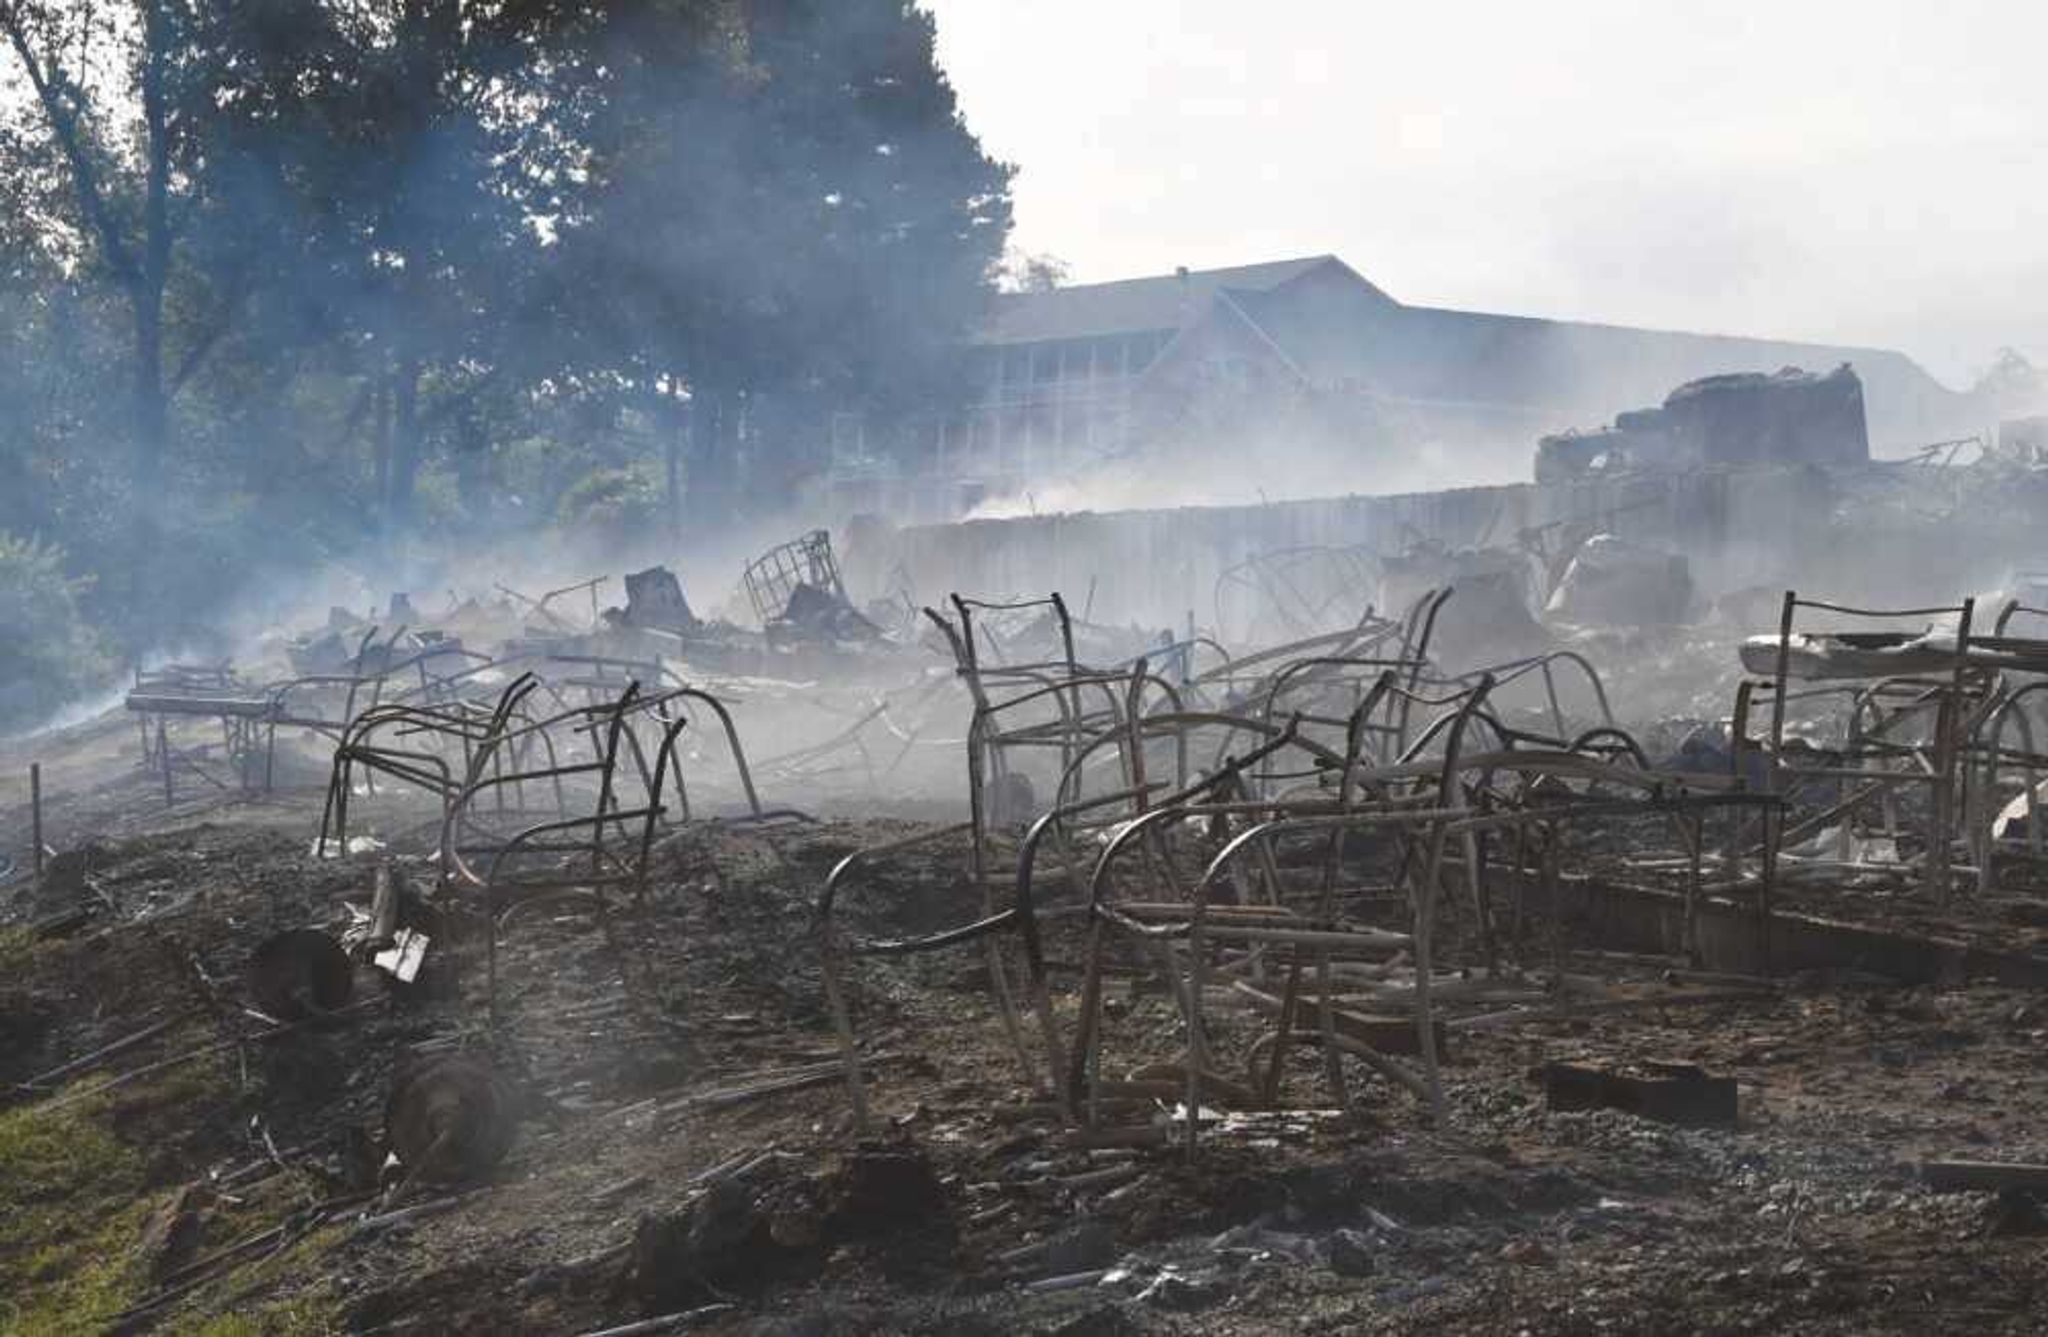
[
  {"x": 714, "y": 458},
  {"x": 405, "y": 441},
  {"x": 675, "y": 439},
  {"x": 380, "y": 439},
  {"x": 151, "y": 276},
  {"x": 472, "y": 469},
  {"x": 152, "y": 416},
  {"x": 152, "y": 412}
]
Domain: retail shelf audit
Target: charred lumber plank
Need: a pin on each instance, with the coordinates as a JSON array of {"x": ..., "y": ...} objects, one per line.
[
  {"x": 86, "y": 1062},
  {"x": 1388, "y": 1035},
  {"x": 1678, "y": 1093},
  {"x": 1983, "y": 1176}
]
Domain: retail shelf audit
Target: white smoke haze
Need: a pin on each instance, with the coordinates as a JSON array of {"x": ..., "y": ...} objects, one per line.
[
  {"x": 1217, "y": 473},
  {"x": 1831, "y": 170},
  {"x": 286, "y": 601},
  {"x": 1847, "y": 174}
]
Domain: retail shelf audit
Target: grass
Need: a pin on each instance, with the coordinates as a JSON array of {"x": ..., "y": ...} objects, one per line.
[
  {"x": 311, "y": 1315},
  {"x": 73, "y": 1210},
  {"x": 17, "y": 945},
  {"x": 79, "y": 1181},
  {"x": 73, "y": 1201},
  {"x": 312, "y": 1312}
]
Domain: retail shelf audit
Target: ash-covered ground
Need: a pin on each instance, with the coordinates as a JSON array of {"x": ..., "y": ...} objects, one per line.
[{"x": 685, "y": 1148}]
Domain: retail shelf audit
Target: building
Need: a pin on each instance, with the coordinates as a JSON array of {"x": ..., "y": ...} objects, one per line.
[{"x": 1061, "y": 381}]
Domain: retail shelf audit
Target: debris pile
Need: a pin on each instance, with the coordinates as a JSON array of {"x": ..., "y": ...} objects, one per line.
[
  {"x": 799, "y": 597},
  {"x": 1722, "y": 421},
  {"x": 1363, "y": 977},
  {"x": 1611, "y": 582}
]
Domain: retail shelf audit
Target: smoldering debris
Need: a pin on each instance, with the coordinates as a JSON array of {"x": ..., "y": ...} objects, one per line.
[
  {"x": 654, "y": 599},
  {"x": 1010, "y": 955},
  {"x": 798, "y": 595},
  {"x": 1737, "y": 419},
  {"x": 300, "y": 974},
  {"x": 450, "y": 1119},
  {"x": 1610, "y": 582}
]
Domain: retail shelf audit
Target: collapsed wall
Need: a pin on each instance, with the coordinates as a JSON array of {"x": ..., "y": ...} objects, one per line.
[
  {"x": 1738, "y": 527},
  {"x": 1741, "y": 481}
]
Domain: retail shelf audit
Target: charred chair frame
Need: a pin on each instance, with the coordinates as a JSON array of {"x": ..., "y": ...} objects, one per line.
[
  {"x": 1062, "y": 825},
  {"x": 1363, "y": 798},
  {"x": 1957, "y": 696},
  {"x": 433, "y": 748},
  {"x": 576, "y": 857}
]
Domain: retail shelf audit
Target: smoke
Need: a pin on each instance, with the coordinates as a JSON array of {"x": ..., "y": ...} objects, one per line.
[
  {"x": 450, "y": 311},
  {"x": 1240, "y": 472},
  {"x": 1746, "y": 169},
  {"x": 1350, "y": 393}
]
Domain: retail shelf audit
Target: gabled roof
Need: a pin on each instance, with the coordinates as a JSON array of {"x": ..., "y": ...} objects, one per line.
[
  {"x": 1433, "y": 353},
  {"x": 1134, "y": 306},
  {"x": 1351, "y": 333}
]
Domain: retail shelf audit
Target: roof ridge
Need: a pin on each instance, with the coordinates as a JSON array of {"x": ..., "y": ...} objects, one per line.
[
  {"x": 1174, "y": 275},
  {"x": 1575, "y": 322}
]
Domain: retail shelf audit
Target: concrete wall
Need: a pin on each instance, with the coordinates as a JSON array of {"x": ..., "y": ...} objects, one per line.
[{"x": 1739, "y": 528}]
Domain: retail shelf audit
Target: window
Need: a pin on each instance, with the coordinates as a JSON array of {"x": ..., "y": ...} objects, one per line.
[
  {"x": 1008, "y": 456},
  {"x": 1041, "y": 424},
  {"x": 985, "y": 372},
  {"x": 966, "y": 437}
]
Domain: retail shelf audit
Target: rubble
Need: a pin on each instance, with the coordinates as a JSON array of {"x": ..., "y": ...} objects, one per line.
[
  {"x": 300, "y": 974},
  {"x": 1610, "y": 582},
  {"x": 1493, "y": 615},
  {"x": 763, "y": 1222},
  {"x": 799, "y": 597},
  {"x": 654, "y": 599},
  {"x": 450, "y": 1119},
  {"x": 1721, "y": 421},
  {"x": 1193, "y": 981}
]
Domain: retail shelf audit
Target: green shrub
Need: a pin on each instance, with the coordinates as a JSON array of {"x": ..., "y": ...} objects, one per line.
[
  {"x": 49, "y": 654},
  {"x": 614, "y": 501}
]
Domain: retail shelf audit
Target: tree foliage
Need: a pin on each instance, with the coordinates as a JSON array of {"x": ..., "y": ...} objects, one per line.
[
  {"x": 39, "y": 672},
  {"x": 267, "y": 267}
]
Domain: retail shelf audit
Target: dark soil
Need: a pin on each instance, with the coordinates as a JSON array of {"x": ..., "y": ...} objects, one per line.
[{"x": 646, "y": 1178}]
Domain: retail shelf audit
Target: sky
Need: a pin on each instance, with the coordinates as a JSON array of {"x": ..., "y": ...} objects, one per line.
[{"x": 1866, "y": 172}]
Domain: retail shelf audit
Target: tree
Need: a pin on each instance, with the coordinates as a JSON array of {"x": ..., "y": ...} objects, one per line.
[
  {"x": 786, "y": 208},
  {"x": 50, "y": 645},
  {"x": 103, "y": 86},
  {"x": 350, "y": 261},
  {"x": 149, "y": 147},
  {"x": 1027, "y": 272},
  {"x": 2012, "y": 384},
  {"x": 426, "y": 169}
]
